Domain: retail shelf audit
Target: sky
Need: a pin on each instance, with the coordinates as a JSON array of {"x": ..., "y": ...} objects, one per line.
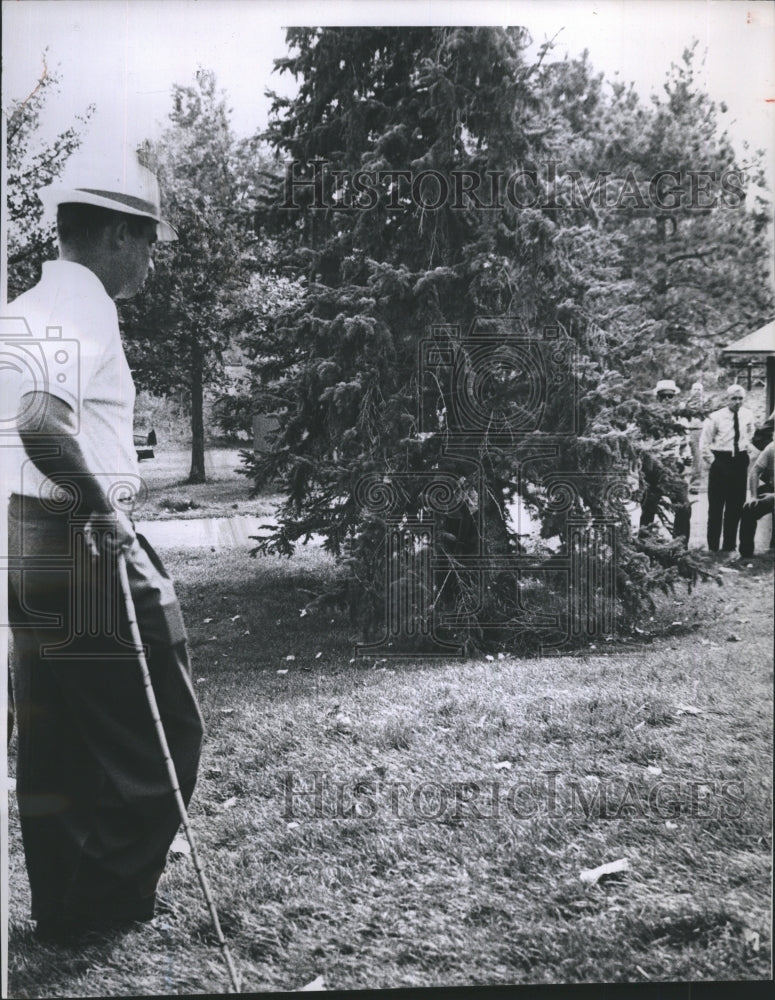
[{"x": 124, "y": 55}]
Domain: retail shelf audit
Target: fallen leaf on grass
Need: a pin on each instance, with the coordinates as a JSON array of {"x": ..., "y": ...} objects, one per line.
[
  {"x": 288, "y": 659},
  {"x": 593, "y": 875},
  {"x": 751, "y": 938},
  {"x": 653, "y": 769},
  {"x": 687, "y": 710},
  {"x": 317, "y": 984},
  {"x": 734, "y": 638},
  {"x": 303, "y": 613},
  {"x": 671, "y": 825},
  {"x": 318, "y": 655},
  {"x": 235, "y": 617},
  {"x": 503, "y": 764},
  {"x": 343, "y": 723},
  {"x": 226, "y": 711},
  {"x": 180, "y": 846},
  {"x": 292, "y": 826},
  {"x": 206, "y": 621},
  {"x": 229, "y": 803},
  {"x": 283, "y": 671}
]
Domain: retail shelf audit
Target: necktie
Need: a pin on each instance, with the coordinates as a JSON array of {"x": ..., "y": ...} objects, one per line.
[{"x": 737, "y": 434}]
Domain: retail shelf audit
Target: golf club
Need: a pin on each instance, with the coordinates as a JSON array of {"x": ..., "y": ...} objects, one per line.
[{"x": 151, "y": 697}]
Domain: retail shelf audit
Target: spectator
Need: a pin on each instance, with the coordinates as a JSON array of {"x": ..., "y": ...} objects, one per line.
[
  {"x": 725, "y": 444},
  {"x": 762, "y": 503},
  {"x": 663, "y": 468},
  {"x": 695, "y": 408}
]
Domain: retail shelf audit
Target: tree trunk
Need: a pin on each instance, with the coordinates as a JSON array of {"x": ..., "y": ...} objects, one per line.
[
  {"x": 197, "y": 473},
  {"x": 660, "y": 270}
]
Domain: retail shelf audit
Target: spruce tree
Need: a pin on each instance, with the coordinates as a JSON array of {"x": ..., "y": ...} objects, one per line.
[{"x": 370, "y": 418}]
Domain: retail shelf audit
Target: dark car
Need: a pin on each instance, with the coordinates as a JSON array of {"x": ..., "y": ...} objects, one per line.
[{"x": 144, "y": 445}]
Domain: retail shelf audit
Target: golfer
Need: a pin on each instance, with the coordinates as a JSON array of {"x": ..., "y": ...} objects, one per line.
[{"x": 96, "y": 808}]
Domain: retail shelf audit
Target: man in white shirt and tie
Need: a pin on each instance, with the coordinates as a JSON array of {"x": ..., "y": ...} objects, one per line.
[{"x": 726, "y": 446}]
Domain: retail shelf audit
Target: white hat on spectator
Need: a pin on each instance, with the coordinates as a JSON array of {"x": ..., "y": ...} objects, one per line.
[
  {"x": 122, "y": 186},
  {"x": 666, "y": 385}
]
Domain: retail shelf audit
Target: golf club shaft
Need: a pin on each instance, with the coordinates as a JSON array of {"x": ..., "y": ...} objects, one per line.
[{"x": 161, "y": 735}]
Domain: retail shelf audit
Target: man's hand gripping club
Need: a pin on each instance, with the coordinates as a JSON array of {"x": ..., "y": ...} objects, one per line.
[{"x": 47, "y": 429}]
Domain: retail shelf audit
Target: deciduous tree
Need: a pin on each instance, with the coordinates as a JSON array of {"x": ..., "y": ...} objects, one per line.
[
  {"x": 193, "y": 304},
  {"x": 33, "y": 163}
]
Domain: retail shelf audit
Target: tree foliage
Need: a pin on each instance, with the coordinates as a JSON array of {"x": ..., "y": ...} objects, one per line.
[
  {"x": 195, "y": 302},
  {"x": 674, "y": 259},
  {"x": 628, "y": 291},
  {"x": 33, "y": 163}
]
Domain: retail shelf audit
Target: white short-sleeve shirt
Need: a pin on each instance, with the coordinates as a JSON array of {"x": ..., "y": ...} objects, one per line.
[{"x": 75, "y": 353}]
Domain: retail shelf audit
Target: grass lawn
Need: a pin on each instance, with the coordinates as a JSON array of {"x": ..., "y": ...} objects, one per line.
[
  {"x": 458, "y": 804},
  {"x": 167, "y": 495}
]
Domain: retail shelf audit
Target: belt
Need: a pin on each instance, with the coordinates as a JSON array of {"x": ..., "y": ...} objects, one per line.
[{"x": 730, "y": 454}]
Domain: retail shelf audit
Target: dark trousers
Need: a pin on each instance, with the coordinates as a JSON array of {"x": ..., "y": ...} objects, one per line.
[
  {"x": 663, "y": 483},
  {"x": 726, "y": 495},
  {"x": 96, "y": 807},
  {"x": 750, "y": 515}
]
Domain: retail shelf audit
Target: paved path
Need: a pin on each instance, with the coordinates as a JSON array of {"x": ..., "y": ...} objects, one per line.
[
  {"x": 201, "y": 532},
  {"x": 235, "y": 532}
]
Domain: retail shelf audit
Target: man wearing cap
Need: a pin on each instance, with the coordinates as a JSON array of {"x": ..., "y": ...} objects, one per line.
[
  {"x": 726, "y": 446},
  {"x": 663, "y": 468},
  {"x": 96, "y": 807}
]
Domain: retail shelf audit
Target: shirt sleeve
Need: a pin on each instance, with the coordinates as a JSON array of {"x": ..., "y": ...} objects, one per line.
[
  {"x": 706, "y": 437},
  {"x": 68, "y": 355},
  {"x": 751, "y": 430},
  {"x": 765, "y": 457}
]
